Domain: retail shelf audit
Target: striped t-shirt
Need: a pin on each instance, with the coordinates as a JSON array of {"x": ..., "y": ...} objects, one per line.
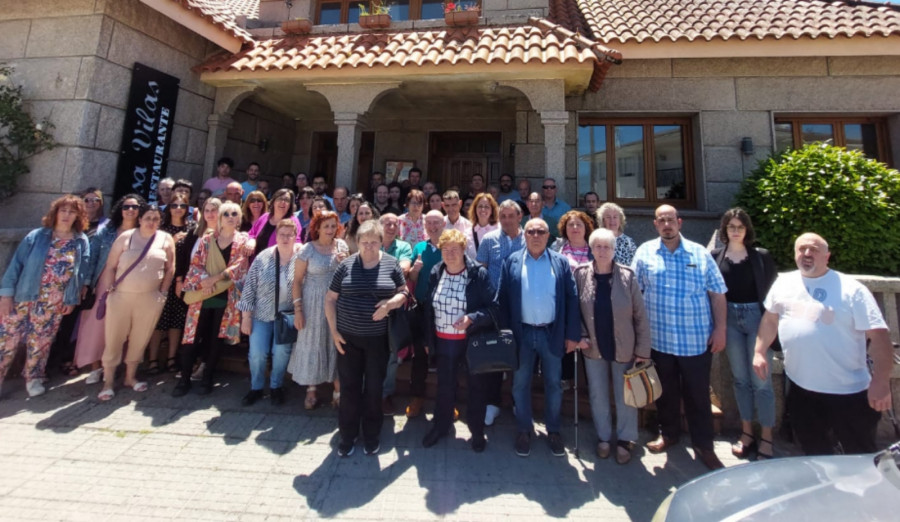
[{"x": 359, "y": 291}]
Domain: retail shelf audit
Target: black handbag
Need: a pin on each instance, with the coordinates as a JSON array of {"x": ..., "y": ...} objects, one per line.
[
  {"x": 400, "y": 325},
  {"x": 285, "y": 332},
  {"x": 492, "y": 351}
]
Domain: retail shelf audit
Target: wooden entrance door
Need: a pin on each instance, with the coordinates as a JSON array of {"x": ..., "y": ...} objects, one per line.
[
  {"x": 325, "y": 158},
  {"x": 456, "y": 156}
]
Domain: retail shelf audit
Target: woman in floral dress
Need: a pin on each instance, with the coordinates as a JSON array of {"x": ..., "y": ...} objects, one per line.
[
  {"x": 314, "y": 359},
  {"x": 42, "y": 284},
  {"x": 412, "y": 223}
]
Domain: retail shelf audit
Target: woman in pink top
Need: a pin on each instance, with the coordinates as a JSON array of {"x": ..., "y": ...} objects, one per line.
[{"x": 262, "y": 235}]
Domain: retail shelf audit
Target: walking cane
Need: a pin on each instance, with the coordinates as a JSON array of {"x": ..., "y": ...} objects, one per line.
[{"x": 575, "y": 386}]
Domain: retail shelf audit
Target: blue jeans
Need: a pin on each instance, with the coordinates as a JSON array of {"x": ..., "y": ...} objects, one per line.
[
  {"x": 535, "y": 342},
  {"x": 598, "y": 377},
  {"x": 262, "y": 343},
  {"x": 743, "y": 322}
]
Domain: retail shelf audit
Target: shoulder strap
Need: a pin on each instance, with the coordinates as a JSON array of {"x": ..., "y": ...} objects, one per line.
[
  {"x": 277, "y": 279},
  {"x": 138, "y": 260}
]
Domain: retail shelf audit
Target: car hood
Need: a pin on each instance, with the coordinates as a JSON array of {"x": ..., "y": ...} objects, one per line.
[{"x": 797, "y": 489}]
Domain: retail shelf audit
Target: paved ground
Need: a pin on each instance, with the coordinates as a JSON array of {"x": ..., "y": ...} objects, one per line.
[{"x": 66, "y": 456}]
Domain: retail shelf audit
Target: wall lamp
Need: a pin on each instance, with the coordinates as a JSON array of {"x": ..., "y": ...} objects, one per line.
[
  {"x": 263, "y": 145},
  {"x": 747, "y": 146}
]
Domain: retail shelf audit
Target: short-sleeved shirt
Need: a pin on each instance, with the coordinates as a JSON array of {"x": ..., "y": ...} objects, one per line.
[
  {"x": 552, "y": 215},
  {"x": 494, "y": 248},
  {"x": 216, "y": 185},
  {"x": 431, "y": 256},
  {"x": 360, "y": 289},
  {"x": 401, "y": 250},
  {"x": 248, "y": 187},
  {"x": 676, "y": 286},
  {"x": 822, "y": 328},
  {"x": 412, "y": 231}
]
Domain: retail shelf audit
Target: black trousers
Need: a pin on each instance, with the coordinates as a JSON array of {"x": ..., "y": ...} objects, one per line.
[
  {"x": 419, "y": 370},
  {"x": 361, "y": 369},
  {"x": 211, "y": 344},
  {"x": 685, "y": 378},
  {"x": 451, "y": 357},
  {"x": 815, "y": 416}
]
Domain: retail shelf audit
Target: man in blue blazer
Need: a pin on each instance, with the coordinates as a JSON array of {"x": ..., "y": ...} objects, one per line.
[{"x": 538, "y": 302}]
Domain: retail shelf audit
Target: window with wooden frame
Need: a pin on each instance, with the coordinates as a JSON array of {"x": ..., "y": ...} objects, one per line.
[
  {"x": 637, "y": 162},
  {"x": 347, "y": 11},
  {"x": 868, "y": 135}
]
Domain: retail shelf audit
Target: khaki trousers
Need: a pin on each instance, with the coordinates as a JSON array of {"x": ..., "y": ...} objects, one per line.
[{"x": 132, "y": 317}]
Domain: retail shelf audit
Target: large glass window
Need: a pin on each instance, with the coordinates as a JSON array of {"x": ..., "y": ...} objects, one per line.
[
  {"x": 864, "y": 134},
  {"x": 347, "y": 11},
  {"x": 647, "y": 161}
]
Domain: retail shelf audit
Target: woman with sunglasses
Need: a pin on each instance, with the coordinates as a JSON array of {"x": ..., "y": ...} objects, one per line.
[
  {"x": 177, "y": 223},
  {"x": 218, "y": 265},
  {"x": 253, "y": 208},
  {"x": 41, "y": 284},
  {"x": 262, "y": 235},
  {"x": 139, "y": 294},
  {"x": 93, "y": 205},
  {"x": 91, "y": 338}
]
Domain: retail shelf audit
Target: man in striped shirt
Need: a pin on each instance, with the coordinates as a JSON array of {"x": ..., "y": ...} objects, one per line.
[{"x": 684, "y": 293}]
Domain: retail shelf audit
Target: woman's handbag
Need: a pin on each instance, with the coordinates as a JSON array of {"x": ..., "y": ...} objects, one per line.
[
  {"x": 101, "y": 301},
  {"x": 215, "y": 264},
  {"x": 285, "y": 332},
  {"x": 641, "y": 385},
  {"x": 400, "y": 325},
  {"x": 492, "y": 351}
]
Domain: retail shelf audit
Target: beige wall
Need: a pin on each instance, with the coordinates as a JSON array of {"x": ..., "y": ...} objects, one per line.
[{"x": 74, "y": 61}]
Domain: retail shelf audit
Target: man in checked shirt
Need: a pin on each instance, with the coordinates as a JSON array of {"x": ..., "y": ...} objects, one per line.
[{"x": 684, "y": 294}]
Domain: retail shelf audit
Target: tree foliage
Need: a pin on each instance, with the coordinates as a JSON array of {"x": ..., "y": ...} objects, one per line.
[
  {"x": 20, "y": 137},
  {"x": 850, "y": 200}
]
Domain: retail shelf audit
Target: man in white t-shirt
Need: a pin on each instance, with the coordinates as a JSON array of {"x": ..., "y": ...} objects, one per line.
[{"x": 823, "y": 319}]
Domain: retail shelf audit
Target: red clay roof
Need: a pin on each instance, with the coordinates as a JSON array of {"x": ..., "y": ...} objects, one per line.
[
  {"x": 539, "y": 41},
  {"x": 224, "y": 13},
  {"x": 621, "y": 21}
]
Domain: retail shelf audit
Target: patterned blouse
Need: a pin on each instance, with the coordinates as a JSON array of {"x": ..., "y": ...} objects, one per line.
[
  {"x": 413, "y": 232},
  {"x": 450, "y": 304},
  {"x": 625, "y": 249}
]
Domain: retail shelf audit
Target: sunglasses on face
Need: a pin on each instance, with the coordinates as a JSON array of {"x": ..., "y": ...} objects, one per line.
[
  {"x": 179, "y": 205},
  {"x": 233, "y": 213},
  {"x": 91, "y": 200},
  {"x": 548, "y": 187},
  {"x": 536, "y": 232},
  {"x": 131, "y": 207}
]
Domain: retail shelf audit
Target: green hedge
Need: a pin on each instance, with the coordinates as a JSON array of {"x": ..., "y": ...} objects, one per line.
[{"x": 850, "y": 200}]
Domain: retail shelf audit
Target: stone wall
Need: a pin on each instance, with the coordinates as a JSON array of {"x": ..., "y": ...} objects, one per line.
[{"x": 254, "y": 124}]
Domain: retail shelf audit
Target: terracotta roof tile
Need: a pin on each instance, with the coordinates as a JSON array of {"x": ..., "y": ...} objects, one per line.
[
  {"x": 621, "y": 21},
  {"x": 538, "y": 41},
  {"x": 224, "y": 13}
]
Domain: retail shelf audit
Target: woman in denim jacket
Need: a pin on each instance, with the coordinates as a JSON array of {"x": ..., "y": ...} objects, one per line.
[{"x": 42, "y": 284}]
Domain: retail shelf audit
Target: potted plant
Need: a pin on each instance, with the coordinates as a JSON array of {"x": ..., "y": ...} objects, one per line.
[
  {"x": 376, "y": 16},
  {"x": 458, "y": 14},
  {"x": 296, "y": 26}
]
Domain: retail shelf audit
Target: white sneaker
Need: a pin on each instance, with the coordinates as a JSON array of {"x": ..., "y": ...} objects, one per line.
[
  {"x": 35, "y": 388},
  {"x": 94, "y": 377},
  {"x": 490, "y": 414}
]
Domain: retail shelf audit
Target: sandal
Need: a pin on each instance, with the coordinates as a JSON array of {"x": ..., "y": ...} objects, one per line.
[
  {"x": 311, "y": 401},
  {"x": 153, "y": 368},
  {"x": 336, "y": 400},
  {"x": 139, "y": 386},
  {"x": 69, "y": 369},
  {"x": 765, "y": 456},
  {"x": 171, "y": 365},
  {"x": 741, "y": 450},
  {"x": 106, "y": 395}
]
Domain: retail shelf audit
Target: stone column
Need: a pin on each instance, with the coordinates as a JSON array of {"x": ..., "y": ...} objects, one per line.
[
  {"x": 219, "y": 125},
  {"x": 349, "y": 136},
  {"x": 554, "y": 123}
]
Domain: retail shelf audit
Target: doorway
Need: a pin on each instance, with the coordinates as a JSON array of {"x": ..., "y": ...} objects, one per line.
[{"x": 456, "y": 156}]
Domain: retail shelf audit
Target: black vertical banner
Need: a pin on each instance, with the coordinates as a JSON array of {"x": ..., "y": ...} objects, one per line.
[{"x": 147, "y": 133}]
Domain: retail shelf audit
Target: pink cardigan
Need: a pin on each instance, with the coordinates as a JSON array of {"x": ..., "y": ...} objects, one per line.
[{"x": 261, "y": 222}]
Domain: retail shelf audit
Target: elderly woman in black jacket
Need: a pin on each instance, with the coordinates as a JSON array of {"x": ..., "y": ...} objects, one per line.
[{"x": 462, "y": 302}]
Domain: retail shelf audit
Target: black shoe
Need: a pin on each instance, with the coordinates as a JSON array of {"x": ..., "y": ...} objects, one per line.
[
  {"x": 204, "y": 389},
  {"x": 345, "y": 449},
  {"x": 523, "y": 444},
  {"x": 432, "y": 438},
  {"x": 557, "y": 448},
  {"x": 251, "y": 397},
  {"x": 478, "y": 443},
  {"x": 371, "y": 447},
  {"x": 276, "y": 395},
  {"x": 181, "y": 389}
]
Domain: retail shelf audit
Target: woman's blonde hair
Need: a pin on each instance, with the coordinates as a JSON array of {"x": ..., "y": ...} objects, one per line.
[
  {"x": 227, "y": 206},
  {"x": 202, "y": 225},
  {"x": 452, "y": 236}
]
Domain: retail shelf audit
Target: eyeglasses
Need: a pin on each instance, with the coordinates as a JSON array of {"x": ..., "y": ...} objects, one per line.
[
  {"x": 738, "y": 228},
  {"x": 285, "y": 200},
  {"x": 131, "y": 207},
  {"x": 536, "y": 232},
  {"x": 233, "y": 213},
  {"x": 179, "y": 205},
  {"x": 549, "y": 187},
  {"x": 91, "y": 200}
]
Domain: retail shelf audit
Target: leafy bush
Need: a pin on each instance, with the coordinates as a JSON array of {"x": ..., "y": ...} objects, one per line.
[
  {"x": 850, "y": 200},
  {"x": 20, "y": 137}
]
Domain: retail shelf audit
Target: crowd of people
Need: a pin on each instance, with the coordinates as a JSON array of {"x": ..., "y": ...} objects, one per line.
[{"x": 242, "y": 261}]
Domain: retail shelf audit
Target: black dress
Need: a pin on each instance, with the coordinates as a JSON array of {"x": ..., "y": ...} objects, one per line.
[{"x": 175, "y": 310}]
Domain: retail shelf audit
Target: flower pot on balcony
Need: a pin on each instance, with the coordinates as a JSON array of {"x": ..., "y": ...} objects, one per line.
[
  {"x": 461, "y": 18},
  {"x": 302, "y": 26},
  {"x": 379, "y": 21}
]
